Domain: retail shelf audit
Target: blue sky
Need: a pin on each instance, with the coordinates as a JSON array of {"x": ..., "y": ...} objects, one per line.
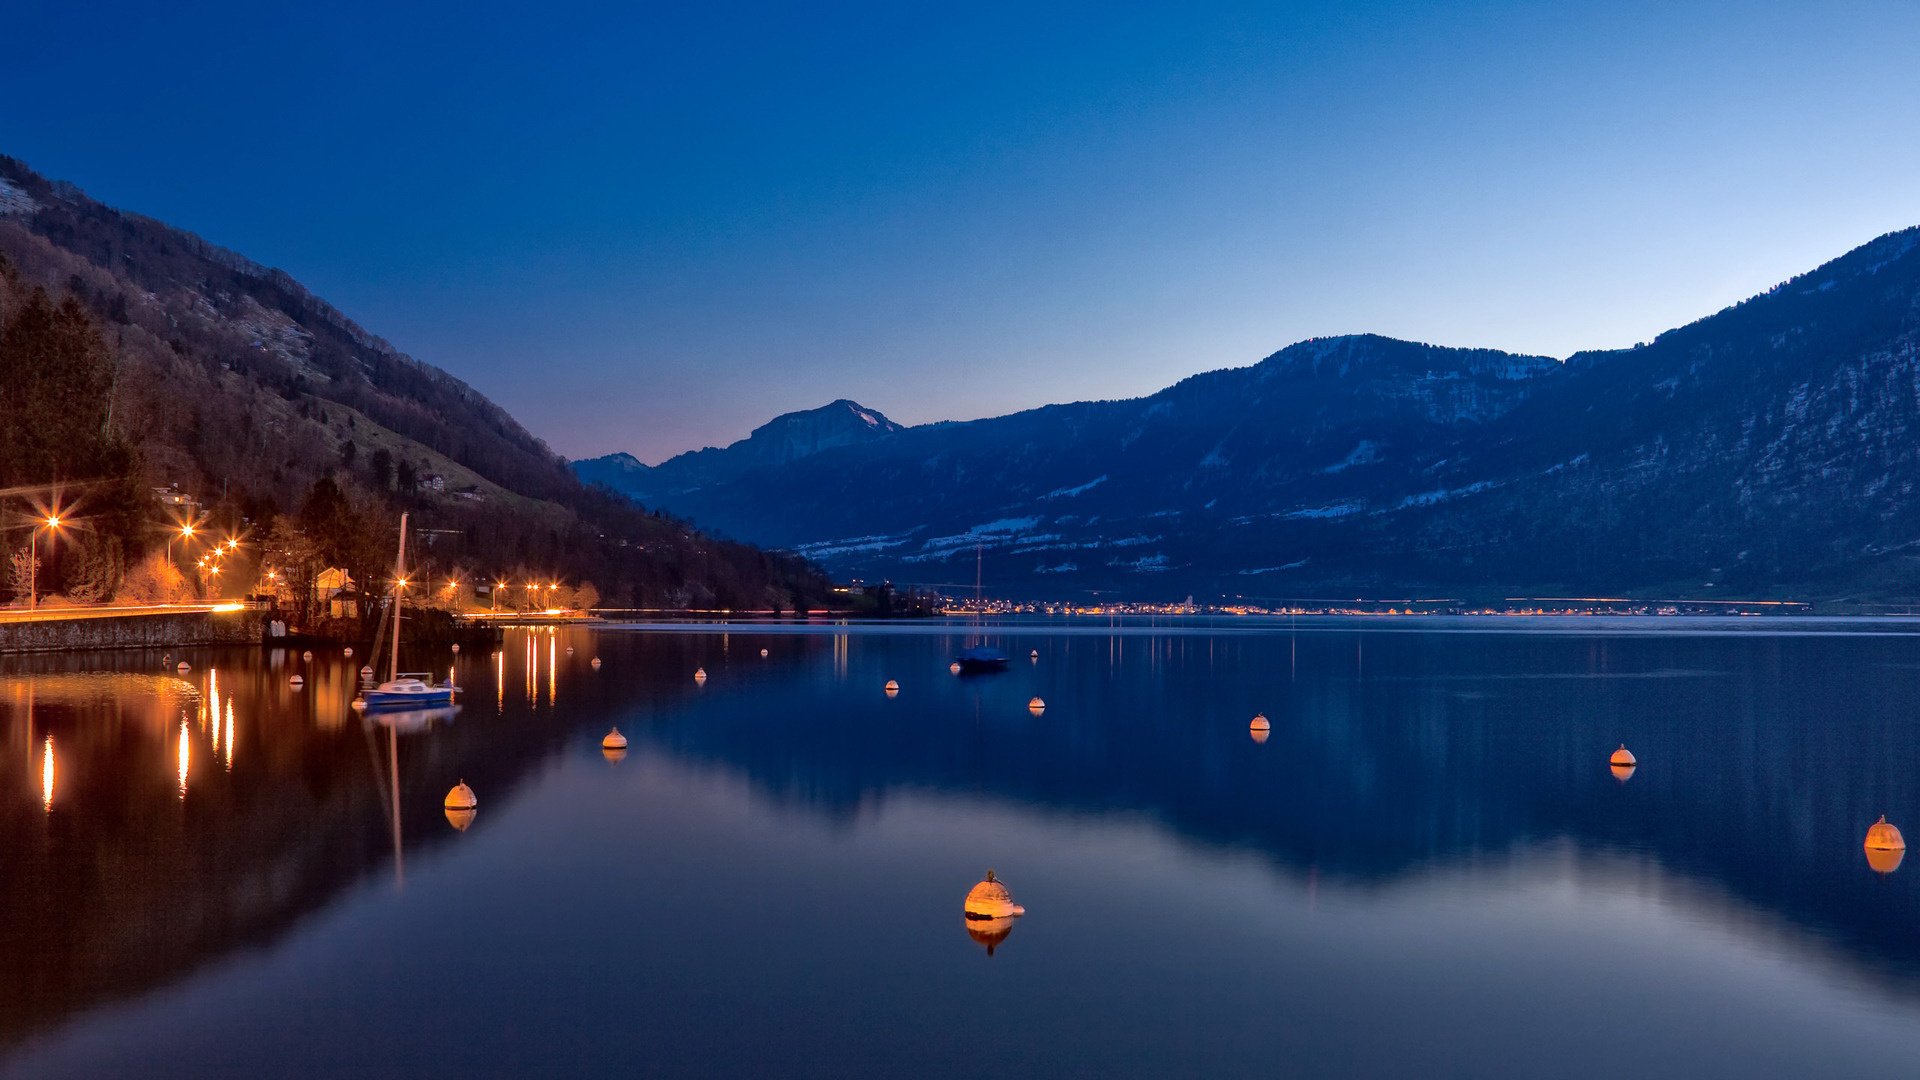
[{"x": 652, "y": 228}]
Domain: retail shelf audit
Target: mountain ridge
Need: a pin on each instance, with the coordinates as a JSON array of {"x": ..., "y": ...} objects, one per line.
[{"x": 1361, "y": 462}]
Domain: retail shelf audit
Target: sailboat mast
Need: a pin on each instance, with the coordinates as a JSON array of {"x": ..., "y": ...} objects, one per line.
[
  {"x": 978, "y": 604},
  {"x": 399, "y": 586}
]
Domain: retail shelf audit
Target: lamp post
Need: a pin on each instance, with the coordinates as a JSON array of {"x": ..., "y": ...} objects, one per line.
[
  {"x": 498, "y": 588},
  {"x": 52, "y": 523},
  {"x": 184, "y": 532}
]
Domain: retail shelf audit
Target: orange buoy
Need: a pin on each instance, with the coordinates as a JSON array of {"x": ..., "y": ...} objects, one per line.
[
  {"x": 954, "y": 667},
  {"x": 462, "y": 798},
  {"x": 763, "y": 652},
  {"x": 1036, "y": 706},
  {"x": 594, "y": 663},
  {"x": 991, "y": 900},
  {"x": 296, "y": 682},
  {"x": 347, "y": 652},
  {"x": 1884, "y": 837},
  {"x": 1886, "y": 848},
  {"x": 1623, "y": 756},
  {"x": 614, "y": 741},
  {"x": 1260, "y": 723},
  {"x": 699, "y": 674}
]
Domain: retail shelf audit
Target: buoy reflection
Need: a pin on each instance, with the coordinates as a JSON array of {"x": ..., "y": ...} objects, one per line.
[
  {"x": 990, "y": 932},
  {"x": 46, "y": 774},
  {"x": 1622, "y": 773}
]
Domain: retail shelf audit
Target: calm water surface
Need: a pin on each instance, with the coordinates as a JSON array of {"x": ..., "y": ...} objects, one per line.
[{"x": 1427, "y": 869}]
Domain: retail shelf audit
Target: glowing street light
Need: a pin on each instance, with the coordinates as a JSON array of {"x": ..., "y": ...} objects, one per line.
[
  {"x": 184, "y": 532},
  {"x": 52, "y": 524}
]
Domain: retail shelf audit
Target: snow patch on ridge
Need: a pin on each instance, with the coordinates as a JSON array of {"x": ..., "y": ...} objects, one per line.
[
  {"x": 14, "y": 200},
  {"x": 1070, "y": 492}
]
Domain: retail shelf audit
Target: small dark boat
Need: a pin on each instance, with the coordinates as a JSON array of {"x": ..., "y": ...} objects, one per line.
[{"x": 982, "y": 658}]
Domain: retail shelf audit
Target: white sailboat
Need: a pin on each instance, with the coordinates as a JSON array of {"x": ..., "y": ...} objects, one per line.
[{"x": 404, "y": 690}]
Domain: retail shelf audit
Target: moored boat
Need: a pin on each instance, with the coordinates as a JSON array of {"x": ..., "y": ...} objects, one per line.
[
  {"x": 982, "y": 658},
  {"x": 410, "y": 690}
]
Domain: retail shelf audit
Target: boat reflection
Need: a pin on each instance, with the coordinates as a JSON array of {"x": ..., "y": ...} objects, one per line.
[{"x": 412, "y": 721}]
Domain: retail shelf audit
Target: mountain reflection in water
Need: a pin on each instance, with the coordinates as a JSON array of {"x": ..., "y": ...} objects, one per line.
[{"x": 162, "y": 826}]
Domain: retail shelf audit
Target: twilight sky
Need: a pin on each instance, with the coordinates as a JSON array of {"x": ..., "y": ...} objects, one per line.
[{"x": 652, "y": 227}]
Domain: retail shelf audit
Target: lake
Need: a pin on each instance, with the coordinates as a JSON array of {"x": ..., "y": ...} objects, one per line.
[{"x": 1426, "y": 868}]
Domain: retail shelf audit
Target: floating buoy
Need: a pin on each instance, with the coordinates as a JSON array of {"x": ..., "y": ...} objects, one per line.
[
  {"x": 1886, "y": 848},
  {"x": 347, "y": 652},
  {"x": 456, "y": 650},
  {"x": 183, "y": 668},
  {"x": 595, "y": 662},
  {"x": 462, "y": 798},
  {"x": 308, "y": 655},
  {"x": 1036, "y": 706},
  {"x": 699, "y": 674},
  {"x": 892, "y": 688},
  {"x": 954, "y": 667},
  {"x": 1034, "y": 655},
  {"x": 569, "y": 650},
  {"x": 1623, "y": 756},
  {"x": 296, "y": 682},
  {"x": 167, "y": 658},
  {"x": 1884, "y": 837},
  {"x": 763, "y": 652},
  {"x": 1260, "y": 723},
  {"x": 461, "y": 818},
  {"x": 991, "y": 900},
  {"x": 614, "y": 741},
  {"x": 367, "y": 672}
]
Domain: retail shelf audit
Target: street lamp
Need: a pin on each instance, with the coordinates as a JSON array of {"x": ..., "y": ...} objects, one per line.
[
  {"x": 184, "y": 532},
  {"x": 52, "y": 523}
]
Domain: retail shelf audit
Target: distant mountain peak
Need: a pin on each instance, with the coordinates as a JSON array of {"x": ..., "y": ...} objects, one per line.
[
  {"x": 840, "y": 411},
  {"x": 782, "y": 440}
]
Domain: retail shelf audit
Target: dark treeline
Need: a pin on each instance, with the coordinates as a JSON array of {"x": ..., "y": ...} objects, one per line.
[{"x": 138, "y": 359}]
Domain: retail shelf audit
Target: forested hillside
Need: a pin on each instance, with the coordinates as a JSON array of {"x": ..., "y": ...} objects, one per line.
[{"x": 139, "y": 357}]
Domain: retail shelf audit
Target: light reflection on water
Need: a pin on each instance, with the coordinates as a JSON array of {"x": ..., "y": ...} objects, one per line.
[{"x": 1427, "y": 864}]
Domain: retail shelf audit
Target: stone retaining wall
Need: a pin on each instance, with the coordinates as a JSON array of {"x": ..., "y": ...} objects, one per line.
[{"x": 134, "y": 632}]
